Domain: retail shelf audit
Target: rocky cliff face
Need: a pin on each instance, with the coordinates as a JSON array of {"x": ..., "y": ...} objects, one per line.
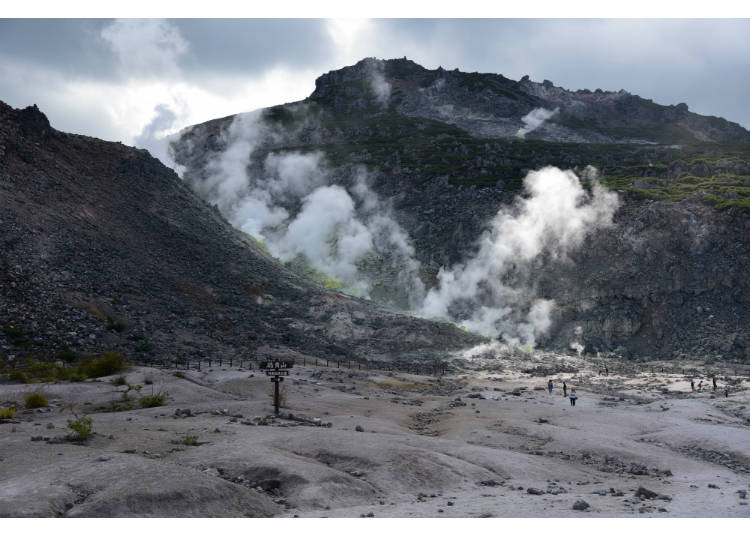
[
  {"x": 103, "y": 248},
  {"x": 492, "y": 106},
  {"x": 441, "y": 149}
]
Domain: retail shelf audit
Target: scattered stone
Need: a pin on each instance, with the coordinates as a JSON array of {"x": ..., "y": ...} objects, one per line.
[
  {"x": 713, "y": 486},
  {"x": 581, "y": 505},
  {"x": 104, "y": 458},
  {"x": 358, "y": 428},
  {"x": 534, "y": 491},
  {"x": 50, "y": 426},
  {"x": 450, "y": 503},
  {"x": 646, "y": 493},
  {"x": 491, "y": 483}
]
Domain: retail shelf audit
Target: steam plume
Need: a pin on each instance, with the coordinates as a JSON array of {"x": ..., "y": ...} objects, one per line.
[
  {"x": 534, "y": 119},
  {"x": 489, "y": 292},
  {"x": 306, "y": 212}
]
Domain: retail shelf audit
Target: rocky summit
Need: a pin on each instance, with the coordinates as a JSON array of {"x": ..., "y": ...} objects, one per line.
[{"x": 446, "y": 151}]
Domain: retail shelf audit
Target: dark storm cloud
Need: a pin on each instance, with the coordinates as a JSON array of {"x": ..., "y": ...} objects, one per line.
[
  {"x": 202, "y": 63},
  {"x": 70, "y": 46}
]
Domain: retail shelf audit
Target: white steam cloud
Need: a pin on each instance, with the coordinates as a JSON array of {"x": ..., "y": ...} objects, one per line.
[
  {"x": 290, "y": 201},
  {"x": 534, "y": 119},
  {"x": 145, "y": 46},
  {"x": 379, "y": 85},
  {"x": 332, "y": 221},
  {"x": 488, "y": 290}
]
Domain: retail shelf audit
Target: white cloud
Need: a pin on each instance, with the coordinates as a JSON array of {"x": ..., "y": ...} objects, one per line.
[{"x": 149, "y": 47}]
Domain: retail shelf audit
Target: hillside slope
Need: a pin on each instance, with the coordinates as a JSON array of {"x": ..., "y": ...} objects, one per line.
[{"x": 104, "y": 248}]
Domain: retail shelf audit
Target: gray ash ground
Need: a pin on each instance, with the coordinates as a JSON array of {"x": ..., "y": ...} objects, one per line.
[{"x": 351, "y": 443}]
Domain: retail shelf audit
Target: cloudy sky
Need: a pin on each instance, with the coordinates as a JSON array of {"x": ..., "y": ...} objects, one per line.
[{"x": 132, "y": 80}]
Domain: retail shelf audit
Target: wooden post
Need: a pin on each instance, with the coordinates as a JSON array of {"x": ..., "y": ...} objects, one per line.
[
  {"x": 230, "y": 362},
  {"x": 220, "y": 361},
  {"x": 276, "y": 401},
  {"x": 209, "y": 362}
]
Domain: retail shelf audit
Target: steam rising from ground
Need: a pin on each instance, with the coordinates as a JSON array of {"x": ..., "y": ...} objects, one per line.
[
  {"x": 331, "y": 221},
  {"x": 309, "y": 215},
  {"x": 381, "y": 88},
  {"x": 553, "y": 219},
  {"x": 534, "y": 119}
]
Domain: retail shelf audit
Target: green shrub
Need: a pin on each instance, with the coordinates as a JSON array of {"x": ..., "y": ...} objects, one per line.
[
  {"x": 191, "y": 440},
  {"x": 108, "y": 363},
  {"x": 179, "y": 374},
  {"x": 15, "y": 335},
  {"x": 154, "y": 401},
  {"x": 143, "y": 346},
  {"x": 7, "y": 413},
  {"x": 17, "y": 376},
  {"x": 67, "y": 356},
  {"x": 35, "y": 400},
  {"x": 115, "y": 325},
  {"x": 120, "y": 380},
  {"x": 81, "y": 426}
]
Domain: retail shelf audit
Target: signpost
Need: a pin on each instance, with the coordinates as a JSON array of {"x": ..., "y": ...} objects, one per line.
[{"x": 276, "y": 369}]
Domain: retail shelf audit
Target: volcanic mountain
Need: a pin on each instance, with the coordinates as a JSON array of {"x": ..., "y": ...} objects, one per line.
[{"x": 444, "y": 152}]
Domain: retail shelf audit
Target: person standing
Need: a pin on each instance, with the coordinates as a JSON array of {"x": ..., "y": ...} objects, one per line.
[
  {"x": 714, "y": 380},
  {"x": 692, "y": 384},
  {"x": 700, "y": 386},
  {"x": 573, "y": 397},
  {"x": 726, "y": 392},
  {"x": 565, "y": 389},
  {"x": 549, "y": 386}
]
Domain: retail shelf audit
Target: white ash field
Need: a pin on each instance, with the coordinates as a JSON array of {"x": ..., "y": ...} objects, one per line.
[{"x": 487, "y": 441}]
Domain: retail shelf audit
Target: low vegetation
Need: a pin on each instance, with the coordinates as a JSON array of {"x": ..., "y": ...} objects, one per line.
[
  {"x": 35, "y": 400},
  {"x": 82, "y": 428},
  {"x": 154, "y": 400},
  {"x": 106, "y": 364},
  {"x": 7, "y": 413}
]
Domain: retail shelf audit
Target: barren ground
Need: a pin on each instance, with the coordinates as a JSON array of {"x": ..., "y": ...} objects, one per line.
[{"x": 463, "y": 445}]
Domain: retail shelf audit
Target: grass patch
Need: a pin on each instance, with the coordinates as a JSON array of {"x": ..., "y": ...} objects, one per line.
[
  {"x": 35, "y": 400},
  {"x": 154, "y": 401},
  {"x": 39, "y": 371},
  {"x": 7, "y": 413}
]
